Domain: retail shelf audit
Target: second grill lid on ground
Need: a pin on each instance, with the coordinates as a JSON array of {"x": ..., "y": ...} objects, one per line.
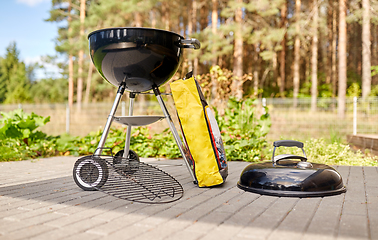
[{"x": 285, "y": 176}]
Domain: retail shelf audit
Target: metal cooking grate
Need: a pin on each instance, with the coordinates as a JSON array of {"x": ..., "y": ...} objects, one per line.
[{"x": 134, "y": 181}]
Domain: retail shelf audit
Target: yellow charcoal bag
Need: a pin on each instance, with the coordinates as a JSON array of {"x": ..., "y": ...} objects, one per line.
[{"x": 201, "y": 134}]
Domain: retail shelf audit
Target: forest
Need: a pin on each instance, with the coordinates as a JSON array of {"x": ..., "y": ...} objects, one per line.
[{"x": 249, "y": 49}]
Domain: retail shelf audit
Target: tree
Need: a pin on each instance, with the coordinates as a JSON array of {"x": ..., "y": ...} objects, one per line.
[
  {"x": 314, "y": 57},
  {"x": 14, "y": 83},
  {"x": 282, "y": 77},
  {"x": 237, "y": 84},
  {"x": 63, "y": 11},
  {"x": 81, "y": 56},
  {"x": 342, "y": 60},
  {"x": 70, "y": 62},
  {"x": 297, "y": 45},
  {"x": 214, "y": 23},
  {"x": 334, "y": 50},
  {"x": 366, "y": 53}
]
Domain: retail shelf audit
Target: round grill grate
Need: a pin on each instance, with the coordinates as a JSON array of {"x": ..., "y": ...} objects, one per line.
[{"x": 132, "y": 180}]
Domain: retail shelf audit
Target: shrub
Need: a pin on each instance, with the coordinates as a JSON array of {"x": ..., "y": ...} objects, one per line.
[
  {"x": 20, "y": 139},
  {"x": 243, "y": 130}
]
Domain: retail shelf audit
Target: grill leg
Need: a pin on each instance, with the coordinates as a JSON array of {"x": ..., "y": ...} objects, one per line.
[
  {"x": 174, "y": 131},
  {"x": 128, "y": 133},
  {"x": 101, "y": 144}
]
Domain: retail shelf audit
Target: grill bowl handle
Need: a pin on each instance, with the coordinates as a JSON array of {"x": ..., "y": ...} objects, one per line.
[{"x": 190, "y": 43}]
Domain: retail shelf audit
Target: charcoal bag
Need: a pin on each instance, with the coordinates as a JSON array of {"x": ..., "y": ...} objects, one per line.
[{"x": 202, "y": 138}]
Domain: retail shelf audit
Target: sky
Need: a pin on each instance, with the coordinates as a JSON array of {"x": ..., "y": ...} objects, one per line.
[{"x": 22, "y": 21}]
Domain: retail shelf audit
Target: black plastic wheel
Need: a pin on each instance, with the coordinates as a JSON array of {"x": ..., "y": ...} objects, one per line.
[
  {"x": 90, "y": 173},
  {"x": 132, "y": 161}
]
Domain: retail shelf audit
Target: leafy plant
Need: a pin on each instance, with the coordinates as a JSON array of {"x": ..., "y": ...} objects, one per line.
[
  {"x": 22, "y": 126},
  {"x": 243, "y": 130},
  {"x": 20, "y": 139}
]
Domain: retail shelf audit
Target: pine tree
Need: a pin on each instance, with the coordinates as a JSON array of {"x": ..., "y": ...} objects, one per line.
[
  {"x": 14, "y": 83},
  {"x": 366, "y": 53},
  {"x": 314, "y": 58},
  {"x": 237, "y": 83},
  {"x": 297, "y": 45},
  {"x": 342, "y": 59}
]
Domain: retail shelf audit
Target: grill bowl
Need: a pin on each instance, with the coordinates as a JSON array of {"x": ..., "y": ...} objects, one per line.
[{"x": 142, "y": 57}]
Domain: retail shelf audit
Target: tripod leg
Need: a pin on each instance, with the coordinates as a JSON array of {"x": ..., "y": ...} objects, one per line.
[
  {"x": 105, "y": 133},
  {"x": 128, "y": 133},
  {"x": 174, "y": 131}
]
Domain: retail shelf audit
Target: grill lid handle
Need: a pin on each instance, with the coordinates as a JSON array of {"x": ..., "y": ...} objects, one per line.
[
  {"x": 288, "y": 143},
  {"x": 190, "y": 43}
]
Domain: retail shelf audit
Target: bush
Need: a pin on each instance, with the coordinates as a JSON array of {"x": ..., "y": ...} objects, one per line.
[
  {"x": 243, "y": 130},
  {"x": 20, "y": 139}
]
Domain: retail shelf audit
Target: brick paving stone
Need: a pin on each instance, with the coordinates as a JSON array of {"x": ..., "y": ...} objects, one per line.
[
  {"x": 205, "y": 207},
  {"x": 325, "y": 221},
  {"x": 116, "y": 210},
  {"x": 270, "y": 219},
  {"x": 191, "y": 202},
  {"x": 45, "y": 217},
  {"x": 221, "y": 232},
  {"x": 27, "y": 214},
  {"x": 224, "y": 212},
  {"x": 354, "y": 220},
  {"x": 11, "y": 212},
  {"x": 75, "y": 218},
  {"x": 353, "y": 226},
  {"x": 235, "y": 204},
  {"x": 28, "y": 232},
  {"x": 250, "y": 212},
  {"x": 110, "y": 227},
  {"x": 167, "y": 224},
  {"x": 17, "y": 204},
  {"x": 371, "y": 187},
  {"x": 129, "y": 232},
  {"x": 165, "y": 230},
  {"x": 220, "y": 199},
  {"x": 251, "y": 232},
  {"x": 56, "y": 234},
  {"x": 82, "y": 236},
  {"x": 8, "y": 226},
  {"x": 192, "y": 218},
  {"x": 185, "y": 235},
  {"x": 297, "y": 221},
  {"x": 84, "y": 225},
  {"x": 208, "y": 222},
  {"x": 81, "y": 204}
]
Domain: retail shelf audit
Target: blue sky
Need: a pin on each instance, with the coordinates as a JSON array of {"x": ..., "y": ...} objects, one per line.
[{"x": 22, "y": 21}]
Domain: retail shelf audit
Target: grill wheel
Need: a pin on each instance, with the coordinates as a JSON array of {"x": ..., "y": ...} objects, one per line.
[{"x": 90, "y": 173}]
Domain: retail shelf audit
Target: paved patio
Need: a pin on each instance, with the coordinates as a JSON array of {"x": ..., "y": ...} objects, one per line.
[{"x": 39, "y": 200}]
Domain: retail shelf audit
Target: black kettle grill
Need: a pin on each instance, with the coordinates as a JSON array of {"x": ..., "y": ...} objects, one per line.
[
  {"x": 136, "y": 60},
  {"x": 290, "y": 175}
]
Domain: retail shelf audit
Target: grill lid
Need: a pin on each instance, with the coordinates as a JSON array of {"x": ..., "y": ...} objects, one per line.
[
  {"x": 285, "y": 176},
  {"x": 142, "y": 58}
]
